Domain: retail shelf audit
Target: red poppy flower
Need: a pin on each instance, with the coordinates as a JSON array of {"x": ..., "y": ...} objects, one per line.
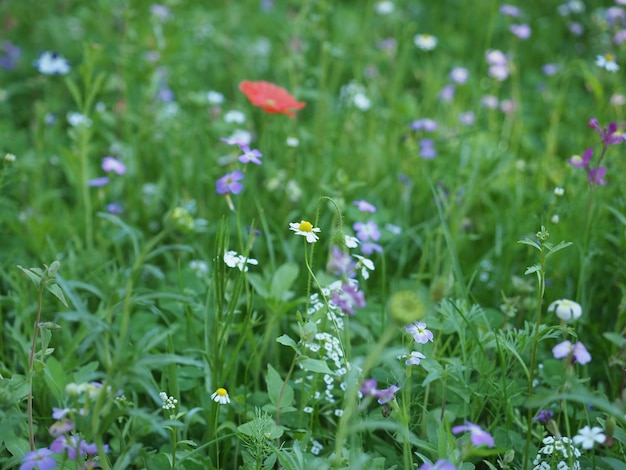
[{"x": 270, "y": 98}]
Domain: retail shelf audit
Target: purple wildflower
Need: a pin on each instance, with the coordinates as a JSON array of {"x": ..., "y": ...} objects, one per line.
[
  {"x": 367, "y": 248},
  {"x": 581, "y": 162},
  {"x": 550, "y": 69},
  {"x": 12, "y": 53},
  {"x": 543, "y": 416},
  {"x": 229, "y": 183},
  {"x": 577, "y": 352},
  {"x": 115, "y": 208},
  {"x": 364, "y": 206},
  {"x": 427, "y": 149},
  {"x": 420, "y": 333},
  {"x": 349, "y": 297},
  {"x": 595, "y": 176},
  {"x": 424, "y": 124},
  {"x": 509, "y": 10},
  {"x": 98, "y": 182},
  {"x": 609, "y": 134},
  {"x": 340, "y": 263},
  {"x": 440, "y": 464},
  {"x": 366, "y": 231},
  {"x": 478, "y": 436},
  {"x": 387, "y": 394},
  {"x": 369, "y": 387},
  {"x": 249, "y": 156},
  {"x": 447, "y": 93},
  {"x": 459, "y": 75},
  {"x": 61, "y": 427},
  {"x": 522, "y": 31},
  {"x": 71, "y": 444},
  {"x": 40, "y": 459},
  {"x": 113, "y": 164}
]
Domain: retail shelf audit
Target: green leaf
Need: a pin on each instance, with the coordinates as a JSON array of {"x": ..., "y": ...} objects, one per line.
[
  {"x": 35, "y": 274},
  {"x": 55, "y": 290},
  {"x": 616, "y": 339},
  {"x": 274, "y": 387},
  {"x": 55, "y": 377},
  {"x": 533, "y": 269},
  {"x": 315, "y": 365},
  {"x": 286, "y": 340},
  {"x": 283, "y": 279},
  {"x": 529, "y": 242}
]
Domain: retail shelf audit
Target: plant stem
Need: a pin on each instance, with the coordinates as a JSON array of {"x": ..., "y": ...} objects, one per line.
[{"x": 31, "y": 363}]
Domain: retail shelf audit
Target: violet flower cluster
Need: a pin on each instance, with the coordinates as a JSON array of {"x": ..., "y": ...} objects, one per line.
[{"x": 609, "y": 135}]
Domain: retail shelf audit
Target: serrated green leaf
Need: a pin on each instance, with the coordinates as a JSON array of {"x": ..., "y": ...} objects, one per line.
[{"x": 533, "y": 269}]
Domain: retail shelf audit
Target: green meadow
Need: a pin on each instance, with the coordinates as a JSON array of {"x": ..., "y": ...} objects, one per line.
[{"x": 312, "y": 234}]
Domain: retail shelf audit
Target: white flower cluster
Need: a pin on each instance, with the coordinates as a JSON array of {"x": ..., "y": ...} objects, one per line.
[
  {"x": 169, "y": 403},
  {"x": 557, "y": 453}
]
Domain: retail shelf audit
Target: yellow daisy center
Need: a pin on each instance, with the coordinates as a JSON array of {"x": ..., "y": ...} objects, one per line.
[
  {"x": 221, "y": 392},
  {"x": 609, "y": 57},
  {"x": 306, "y": 226}
]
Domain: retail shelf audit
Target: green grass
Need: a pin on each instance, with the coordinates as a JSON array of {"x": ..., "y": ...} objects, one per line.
[{"x": 127, "y": 306}]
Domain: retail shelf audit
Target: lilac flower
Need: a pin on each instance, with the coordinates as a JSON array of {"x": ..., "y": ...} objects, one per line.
[
  {"x": 233, "y": 140},
  {"x": 349, "y": 297},
  {"x": 52, "y": 63},
  {"x": 160, "y": 11},
  {"x": 478, "y": 436},
  {"x": 498, "y": 64},
  {"x": 577, "y": 352},
  {"x": 543, "y": 416},
  {"x": 12, "y": 53},
  {"x": 581, "y": 162},
  {"x": 427, "y": 149},
  {"x": 40, "y": 459},
  {"x": 447, "y": 93},
  {"x": 114, "y": 165},
  {"x": 413, "y": 358},
  {"x": 364, "y": 206},
  {"x": 459, "y": 75},
  {"x": 340, "y": 263},
  {"x": 489, "y": 101},
  {"x": 595, "y": 176},
  {"x": 229, "y": 183},
  {"x": 424, "y": 124},
  {"x": 619, "y": 37},
  {"x": 509, "y": 10},
  {"x": 467, "y": 118},
  {"x": 249, "y": 156},
  {"x": 98, "y": 182},
  {"x": 366, "y": 231},
  {"x": 369, "y": 387},
  {"x": 60, "y": 413},
  {"x": 165, "y": 95},
  {"x": 71, "y": 444},
  {"x": 609, "y": 134},
  {"x": 420, "y": 333},
  {"x": 522, "y": 31},
  {"x": 440, "y": 464},
  {"x": 115, "y": 208},
  {"x": 550, "y": 69},
  {"x": 61, "y": 427},
  {"x": 367, "y": 248},
  {"x": 387, "y": 394}
]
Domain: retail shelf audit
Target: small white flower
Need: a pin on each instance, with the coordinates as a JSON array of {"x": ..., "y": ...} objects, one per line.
[
  {"x": 308, "y": 409},
  {"x": 558, "y": 191},
  {"x": 51, "y": 63},
  {"x": 241, "y": 136},
  {"x": 607, "y": 62},
  {"x": 384, "y": 7},
  {"x": 306, "y": 230},
  {"x": 235, "y": 260},
  {"x": 425, "y": 42},
  {"x": 201, "y": 268},
  {"x": 352, "y": 242},
  {"x": 215, "y": 97},
  {"x": 565, "y": 309},
  {"x": 235, "y": 116},
  {"x": 361, "y": 101},
  {"x": 220, "y": 396},
  {"x": 292, "y": 142},
  {"x": 9, "y": 158},
  {"x": 77, "y": 119},
  {"x": 555, "y": 219},
  {"x": 587, "y": 437},
  {"x": 366, "y": 265}
]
